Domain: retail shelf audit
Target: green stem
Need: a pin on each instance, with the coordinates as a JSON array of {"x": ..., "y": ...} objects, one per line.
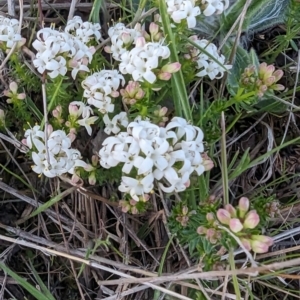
[{"x": 234, "y": 277}]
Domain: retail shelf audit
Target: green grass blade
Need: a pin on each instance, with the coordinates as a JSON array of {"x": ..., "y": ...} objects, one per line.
[
  {"x": 51, "y": 202},
  {"x": 180, "y": 97},
  {"x": 95, "y": 13},
  {"x": 27, "y": 286},
  {"x": 161, "y": 265},
  {"x": 40, "y": 282}
]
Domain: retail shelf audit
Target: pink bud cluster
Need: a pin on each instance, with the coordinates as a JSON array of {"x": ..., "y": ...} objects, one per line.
[
  {"x": 240, "y": 221},
  {"x": 132, "y": 93},
  {"x": 263, "y": 80},
  {"x": 184, "y": 216},
  {"x": 134, "y": 207}
]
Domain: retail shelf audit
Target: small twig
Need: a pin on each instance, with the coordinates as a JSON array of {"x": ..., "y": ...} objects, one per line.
[
  {"x": 11, "y": 7},
  {"x": 72, "y": 9}
]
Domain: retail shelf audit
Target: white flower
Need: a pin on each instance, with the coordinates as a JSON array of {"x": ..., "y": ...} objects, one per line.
[
  {"x": 137, "y": 187},
  {"x": 100, "y": 87},
  {"x": 57, "y": 66},
  {"x": 87, "y": 122},
  {"x": 143, "y": 59},
  {"x": 183, "y": 9},
  {"x": 206, "y": 65},
  {"x": 58, "y": 51},
  {"x": 211, "y": 7},
  {"x": 113, "y": 126},
  {"x": 9, "y": 31},
  {"x": 54, "y": 156},
  {"x": 121, "y": 37}
]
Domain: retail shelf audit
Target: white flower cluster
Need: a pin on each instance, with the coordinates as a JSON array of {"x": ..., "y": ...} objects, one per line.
[
  {"x": 58, "y": 158},
  {"x": 121, "y": 38},
  {"x": 141, "y": 60},
  {"x": 9, "y": 31},
  {"x": 100, "y": 87},
  {"x": 147, "y": 152},
  {"x": 79, "y": 109},
  {"x": 114, "y": 125},
  {"x": 211, "y": 7},
  {"x": 187, "y": 10},
  {"x": 183, "y": 10},
  {"x": 205, "y": 64},
  {"x": 59, "y": 51}
]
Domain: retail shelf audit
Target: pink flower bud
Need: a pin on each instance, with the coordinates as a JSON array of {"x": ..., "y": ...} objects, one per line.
[
  {"x": 21, "y": 96},
  {"x": 13, "y": 87},
  {"x": 235, "y": 225},
  {"x": 114, "y": 94},
  {"x": 89, "y": 168},
  {"x": 259, "y": 247},
  {"x": 210, "y": 217},
  {"x": 263, "y": 238},
  {"x": 201, "y": 230},
  {"x": 278, "y": 75},
  {"x": 231, "y": 210},
  {"x": 243, "y": 206},
  {"x": 92, "y": 178},
  {"x": 171, "y": 68},
  {"x": 153, "y": 28},
  {"x": 164, "y": 76},
  {"x": 124, "y": 205},
  {"x": 185, "y": 210},
  {"x": 278, "y": 87},
  {"x": 73, "y": 110},
  {"x": 246, "y": 243},
  {"x": 49, "y": 129},
  {"x": 126, "y": 38},
  {"x": 207, "y": 162},
  {"x": 140, "y": 42},
  {"x": 55, "y": 113},
  {"x": 223, "y": 216},
  {"x": 107, "y": 49},
  {"x": 251, "y": 219},
  {"x": 95, "y": 160},
  {"x": 269, "y": 81}
]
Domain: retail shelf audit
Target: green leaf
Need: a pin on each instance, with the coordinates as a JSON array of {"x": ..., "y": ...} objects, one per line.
[
  {"x": 180, "y": 97},
  {"x": 41, "y": 284},
  {"x": 241, "y": 61},
  {"x": 51, "y": 202},
  {"x": 27, "y": 286}
]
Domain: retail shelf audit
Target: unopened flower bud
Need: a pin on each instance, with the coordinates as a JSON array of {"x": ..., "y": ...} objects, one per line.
[
  {"x": 235, "y": 225},
  {"x": 140, "y": 42},
  {"x": 278, "y": 75},
  {"x": 74, "y": 110},
  {"x": 165, "y": 76},
  {"x": 171, "y": 68},
  {"x": 223, "y": 216},
  {"x": 95, "y": 160},
  {"x": 92, "y": 178},
  {"x": 153, "y": 28},
  {"x": 251, "y": 219},
  {"x": 243, "y": 206},
  {"x": 210, "y": 217},
  {"x": 201, "y": 230},
  {"x": 246, "y": 243},
  {"x": 231, "y": 210},
  {"x": 207, "y": 162},
  {"x": 49, "y": 129},
  {"x": 126, "y": 38}
]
